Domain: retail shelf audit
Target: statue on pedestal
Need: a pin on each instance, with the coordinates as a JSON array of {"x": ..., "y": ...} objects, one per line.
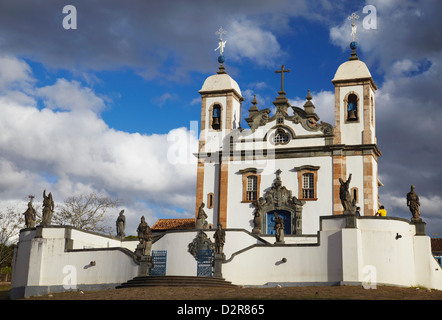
[
  {"x": 121, "y": 224},
  {"x": 48, "y": 209},
  {"x": 201, "y": 222},
  {"x": 279, "y": 228},
  {"x": 344, "y": 194},
  {"x": 220, "y": 239},
  {"x": 30, "y": 215},
  {"x": 145, "y": 238},
  {"x": 257, "y": 220},
  {"x": 414, "y": 205}
]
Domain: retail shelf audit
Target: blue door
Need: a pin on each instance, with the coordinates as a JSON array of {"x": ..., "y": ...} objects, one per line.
[
  {"x": 205, "y": 263},
  {"x": 159, "y": 259},
  {"x": 285, "y": 215}
]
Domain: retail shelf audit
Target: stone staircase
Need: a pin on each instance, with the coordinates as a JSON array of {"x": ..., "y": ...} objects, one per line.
[{"x": 176, "y": 281}]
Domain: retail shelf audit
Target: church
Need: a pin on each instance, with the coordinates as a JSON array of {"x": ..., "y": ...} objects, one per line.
[
  {"x": 276, "y": 205},
  {"x": 307, "y": 158}
]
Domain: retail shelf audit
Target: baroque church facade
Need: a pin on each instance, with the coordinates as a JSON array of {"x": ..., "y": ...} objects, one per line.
[
  {"x": 288, "y": 168},
  {"x": 287, "y": 162}
]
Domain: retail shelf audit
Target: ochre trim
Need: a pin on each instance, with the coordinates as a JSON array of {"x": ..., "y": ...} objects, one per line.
[
  {"x": 244, "y": 185},
  {"x": 315, "y": 184},
  {"x": 339, "y": 171},
  {"x": 199, "y": 186},
  {"x": 223, "y": 194}
]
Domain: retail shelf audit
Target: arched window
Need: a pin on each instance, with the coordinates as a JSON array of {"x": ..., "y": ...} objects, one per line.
[
  {"x": 352, "y": 107},
  {"x": 216, "y": 117}
]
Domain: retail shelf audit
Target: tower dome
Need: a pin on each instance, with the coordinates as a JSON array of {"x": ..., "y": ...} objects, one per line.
[
  {"x": 220, "y": 82},
  {"x": 352, "y": 69}
]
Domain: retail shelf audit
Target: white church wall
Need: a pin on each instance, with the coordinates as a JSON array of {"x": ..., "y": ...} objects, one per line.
[
  {"x": 313, "y": 210},
  {"x": 240, "y": 214},
  {"x": 179, "y": 260},
  {"x": 210, "y": 186}
]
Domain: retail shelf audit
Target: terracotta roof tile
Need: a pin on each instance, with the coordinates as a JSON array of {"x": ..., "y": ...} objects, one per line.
[
  {"x": 436, "y": 244},
  {"x": 173, "y": 224}
]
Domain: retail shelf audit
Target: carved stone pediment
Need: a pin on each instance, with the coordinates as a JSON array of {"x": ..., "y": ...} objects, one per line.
[
  {"x": 258, "y": 118},
  {"x": 201, "y": 242}
]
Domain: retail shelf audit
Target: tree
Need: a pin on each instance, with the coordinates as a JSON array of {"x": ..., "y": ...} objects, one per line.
[
  {"x": 10, "y": 222},
  {"x": 86, "y": 212}
]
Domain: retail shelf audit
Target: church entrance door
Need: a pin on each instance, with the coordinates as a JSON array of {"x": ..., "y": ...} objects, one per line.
[{"x": 285, "y": 215}]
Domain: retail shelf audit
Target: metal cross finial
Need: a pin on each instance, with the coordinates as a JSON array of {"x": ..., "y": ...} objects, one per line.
[
  {"x": 222, "y": 43},
  {"x": 353, "y": 16},
  {"x": 282, "y": 76}
]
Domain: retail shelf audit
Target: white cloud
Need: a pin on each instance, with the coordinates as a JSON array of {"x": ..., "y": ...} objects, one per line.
[
  {"x": 70, "y": 96},
  {"x": 73, "y": 151},
  {"x": 14, "y": 72},
  {"x": 246, "y": 39},
  {"x": 324, "y": 102}
]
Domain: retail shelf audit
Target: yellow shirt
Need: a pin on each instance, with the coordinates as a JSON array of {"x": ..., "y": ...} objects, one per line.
[{"x": 382, "y": 213}]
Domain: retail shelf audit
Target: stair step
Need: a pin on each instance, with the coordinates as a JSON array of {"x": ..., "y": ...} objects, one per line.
[{"x": 176, "y": 281}]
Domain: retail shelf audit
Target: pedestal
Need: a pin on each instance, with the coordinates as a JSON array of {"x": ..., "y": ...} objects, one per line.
[
  {"x": 420, "y": 227},
  {"x": 217, "y": 265},
  {"x": 145, "y": 265}
]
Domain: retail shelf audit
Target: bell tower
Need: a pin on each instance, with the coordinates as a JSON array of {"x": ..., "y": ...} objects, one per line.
[
  {"x": 220, "y": 114},
  {"x": 355, "y": 133}
]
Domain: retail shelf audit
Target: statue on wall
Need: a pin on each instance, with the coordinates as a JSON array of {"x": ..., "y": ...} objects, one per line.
[
  {"x": 220, "y": 239},
  {"x": 48, "y": 209},
  {"x": 30, "y": 215},
  {"x": 121, "y": 224},
  {"x": 257, "y": 220},
  {"x": 414, "y": 204},
  {"x": 144, "y": 232},
  {"x": 201, "y": 222},
  {"x": 344, "y": 194},
  {"x": 279, "y": 228}
]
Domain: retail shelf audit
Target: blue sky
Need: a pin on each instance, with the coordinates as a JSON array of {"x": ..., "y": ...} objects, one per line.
[{"x": 104, "y": 107}]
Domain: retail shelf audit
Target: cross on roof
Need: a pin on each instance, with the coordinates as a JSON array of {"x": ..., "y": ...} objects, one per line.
[
  {"x": 282, "y": 76},
  {"x": 353, "y": 16},
  {"x": 222, "y": 43}
]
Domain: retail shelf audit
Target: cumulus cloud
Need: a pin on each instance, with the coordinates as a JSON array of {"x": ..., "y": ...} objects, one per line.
[
  {"x": 248, "y": 40},
  {"x": 65, "y": 147},
  {"x": 324, "y": 102}
]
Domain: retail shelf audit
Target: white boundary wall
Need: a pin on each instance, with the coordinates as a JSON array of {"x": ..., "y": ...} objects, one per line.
[
  {"x": 348, "y": 250},
  {"x": 57, "y": 259}
]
